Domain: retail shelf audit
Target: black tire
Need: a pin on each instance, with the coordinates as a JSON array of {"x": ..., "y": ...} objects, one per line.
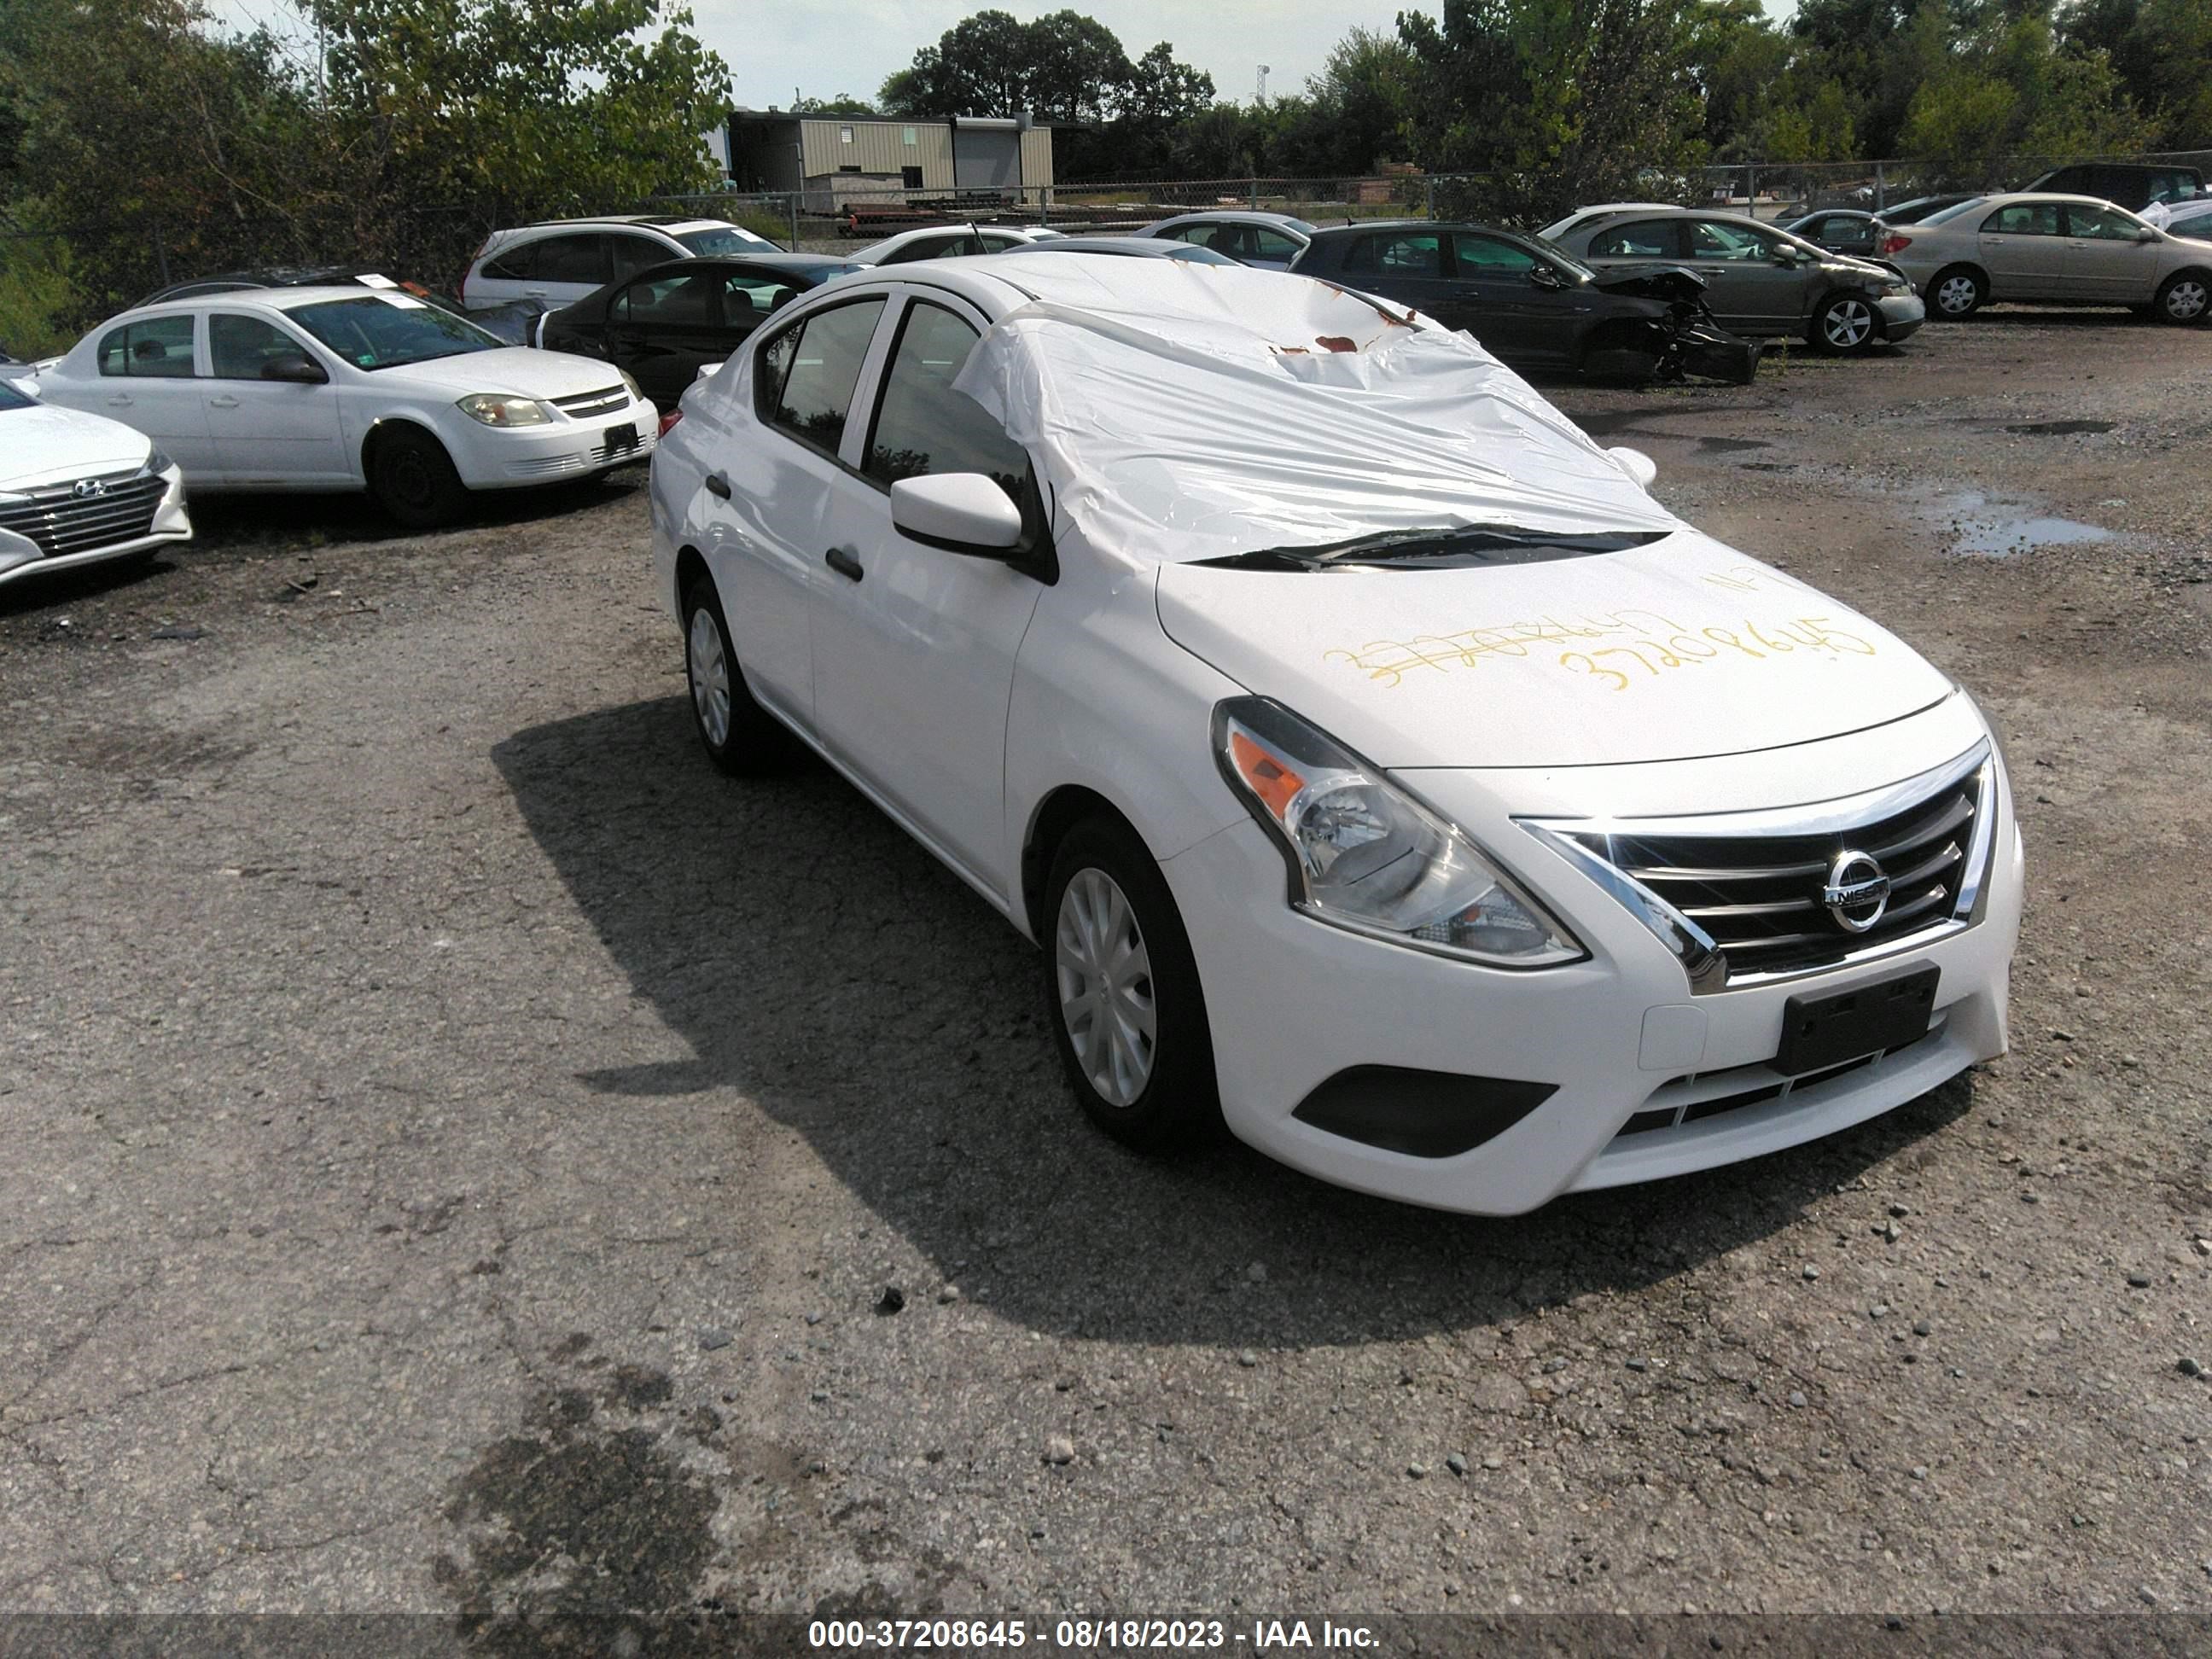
[
  {"x": 751, "y": 741},
  {"x": 1846, "y": 324},
  {"x": 1957, "y": 292},
  {"x": 2184, "y": 299},
  {"x": 1179, "y": 1104},
  {"x": 413, "y": 479}
]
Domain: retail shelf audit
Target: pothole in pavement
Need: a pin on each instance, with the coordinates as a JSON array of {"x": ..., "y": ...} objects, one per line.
[
  {"x": 2061, "y": 429},
  {"x": 1992, "y": 527}
]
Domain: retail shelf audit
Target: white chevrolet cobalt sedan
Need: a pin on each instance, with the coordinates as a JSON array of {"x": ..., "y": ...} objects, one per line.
[
  {"x": 352, "y": 388},
  {"x": 76, "y": 490},
  {"x": 1380, "y": 768}
]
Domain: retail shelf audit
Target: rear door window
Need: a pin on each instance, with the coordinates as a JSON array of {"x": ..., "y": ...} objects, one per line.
[
  {"x": 156, "y": 347},
  {"x": 679, "y": 301},
  {"x": 633, "y": 254},
  {"x": 1273, "y": 245},
  {"x": 1398, "y": 253},
  {"x": 579, "y": 259},
  {"x": 2023, "y": 219},
  {"x": 1648, "y": 239},
  {"x": 806, "y": 374}
]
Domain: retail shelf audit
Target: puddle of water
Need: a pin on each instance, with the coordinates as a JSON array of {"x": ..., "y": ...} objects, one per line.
[
  {"x": 2061, "y": 429},
  {"x": 1730, "y": 445},
  {"x": 1989, "y": 528}
]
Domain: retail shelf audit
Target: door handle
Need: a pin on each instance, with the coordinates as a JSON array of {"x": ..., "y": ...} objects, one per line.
[
  {"x": 718, "y": 486},
  {"x": 223, "y": 402},
  {"x": 119, "y": 402},
  {"x": 842, "y": 561}
]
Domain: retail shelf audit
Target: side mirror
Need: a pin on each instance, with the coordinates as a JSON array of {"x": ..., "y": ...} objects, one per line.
[
  {"x": 959, "y": 512},
  {"x": 1637, "y": 465},
  {"x": 1546, "y": 276},
  {"x": 2146, "y": 234},
  {"x": 295, "y": 367}
]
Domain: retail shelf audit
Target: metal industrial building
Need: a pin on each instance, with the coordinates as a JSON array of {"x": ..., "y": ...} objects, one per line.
[{"x": 833, "y": 159}]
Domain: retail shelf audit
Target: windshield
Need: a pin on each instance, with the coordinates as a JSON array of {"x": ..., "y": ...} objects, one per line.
[
  {"x": 389, "y": 331},
  {"x": 1954, "y": 211},
  {"x": 721, "y": 240},
  {"x": 1568, "y": 263}
]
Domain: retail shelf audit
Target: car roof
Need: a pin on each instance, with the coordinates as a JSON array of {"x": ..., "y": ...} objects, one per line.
[
  {"x": 1144, "y": 247},
  {"x": 1290, "y": 221}
]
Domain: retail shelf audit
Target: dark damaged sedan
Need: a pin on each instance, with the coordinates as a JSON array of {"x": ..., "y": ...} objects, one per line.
[{"x": 1532, "y": 304}]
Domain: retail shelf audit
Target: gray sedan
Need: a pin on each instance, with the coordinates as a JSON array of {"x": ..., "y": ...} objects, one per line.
[
  {"x": 1270, "y": 241},
  {"x": 1759, "y": 280}
]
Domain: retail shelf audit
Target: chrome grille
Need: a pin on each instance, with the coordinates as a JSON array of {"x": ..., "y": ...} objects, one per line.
[
  {"x": 1760, "y": 897},
  {"x": 584, "y": 404},
  {"x": 62, "y": 522}
]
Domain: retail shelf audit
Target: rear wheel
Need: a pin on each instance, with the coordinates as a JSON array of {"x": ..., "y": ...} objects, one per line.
[
  {"x": 1846, "y": 323},
  {"x": 413, "y": 479},
  {"x": 1122, "y": 992},
  {"x": 1958, "y": 291},
  {"x": 2184, "y": 297},
  {"x": 740, "y": 736}
]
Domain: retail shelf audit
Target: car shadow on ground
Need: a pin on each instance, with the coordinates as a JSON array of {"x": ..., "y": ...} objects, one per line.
[{"x": 813, "y": 958}]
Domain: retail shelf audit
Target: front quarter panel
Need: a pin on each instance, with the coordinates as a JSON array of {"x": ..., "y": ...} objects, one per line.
[{"x": 1104, "y": 701}]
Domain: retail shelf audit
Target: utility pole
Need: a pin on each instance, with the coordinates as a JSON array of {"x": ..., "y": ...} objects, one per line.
[{"x": 1264, "y": 68}]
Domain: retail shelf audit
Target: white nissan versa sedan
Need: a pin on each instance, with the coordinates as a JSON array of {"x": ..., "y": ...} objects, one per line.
[
  {"x": 1380, "y": 768},
  {"x": 352, "y": 388}
]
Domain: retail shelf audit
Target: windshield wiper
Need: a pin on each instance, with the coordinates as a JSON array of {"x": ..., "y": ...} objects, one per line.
[{"x": 1439, "y": 549}]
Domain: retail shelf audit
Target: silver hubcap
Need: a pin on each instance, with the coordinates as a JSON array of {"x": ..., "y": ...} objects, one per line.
[
  {"x": 1848, "y": 323},
  {"x": 1105, "y": 977},
  {"x": 710, "y": 678},
  {"x": 2186, "y": 300},
  {"x": 1956, "y": 294}
]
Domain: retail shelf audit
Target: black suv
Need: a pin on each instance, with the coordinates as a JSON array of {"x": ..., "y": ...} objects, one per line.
[{"x": 2131, "y": 185}]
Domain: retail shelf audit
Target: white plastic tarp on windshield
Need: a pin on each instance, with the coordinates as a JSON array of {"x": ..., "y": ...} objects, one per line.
[{"x": 1186, "y": 411}]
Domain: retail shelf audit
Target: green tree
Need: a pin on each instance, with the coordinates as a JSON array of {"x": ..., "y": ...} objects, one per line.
[{"x": 1554, "y": 101}]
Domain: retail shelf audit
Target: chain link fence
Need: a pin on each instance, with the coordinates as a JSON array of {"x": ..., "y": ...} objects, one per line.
[{"x": 100, "y": 268}]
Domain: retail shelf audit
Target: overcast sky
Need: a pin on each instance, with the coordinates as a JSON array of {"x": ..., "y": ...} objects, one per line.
[{"x": 824, "y": 47}]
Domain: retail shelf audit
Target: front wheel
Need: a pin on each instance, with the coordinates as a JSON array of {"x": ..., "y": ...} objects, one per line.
[
  {"x": 1957, "y": 292},
  {"x": 413, "y": 479},
  {"x": 1122, "y": 991},
  {"x": 2184, "y": 297},
  {"x": 1846, "y": 324}
]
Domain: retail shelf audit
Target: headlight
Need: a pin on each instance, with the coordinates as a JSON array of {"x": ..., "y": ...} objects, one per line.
[
  {"x": 1365, "y": 855},
  {"x": 636, "y": 392},
  {"x": 497, "y": 408},
  {"x": 157, "y": 462}
]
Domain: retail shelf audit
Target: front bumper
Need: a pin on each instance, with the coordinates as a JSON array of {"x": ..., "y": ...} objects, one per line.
[
  {"x": 21, "y": 557},
  {"x": 1902, "y": 315},
  {"x": 509, "y": 460},
  {"x": 1294, "y": 1003}
]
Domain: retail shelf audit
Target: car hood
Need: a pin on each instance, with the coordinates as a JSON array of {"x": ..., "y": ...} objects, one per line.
[
  {"x": 517, "y": 370},
  {"x": 1676, "y": 650},
  {"x": 1655, "y": 281},
  {"x": 46, "y": 444}
]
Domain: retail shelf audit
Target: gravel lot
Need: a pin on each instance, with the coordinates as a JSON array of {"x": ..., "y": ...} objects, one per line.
[{"x": 459, "y": 1144}]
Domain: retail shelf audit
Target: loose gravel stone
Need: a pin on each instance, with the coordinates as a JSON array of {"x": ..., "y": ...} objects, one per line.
[
  {"x": 2188, "y": 1366},
  {"x": 1797, "y": 1398},
  {"x": 1922, "y": 1327},
  {"x": 1247, "y": 1358},
  {"x": 712, "y": 1337},
  {"x": 1059, "y": 1449},
  {"x": 2140, "y": 1281},
  {"x": 1811, "y": 1272},
  {"x": 1456, "y": 1463}
]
